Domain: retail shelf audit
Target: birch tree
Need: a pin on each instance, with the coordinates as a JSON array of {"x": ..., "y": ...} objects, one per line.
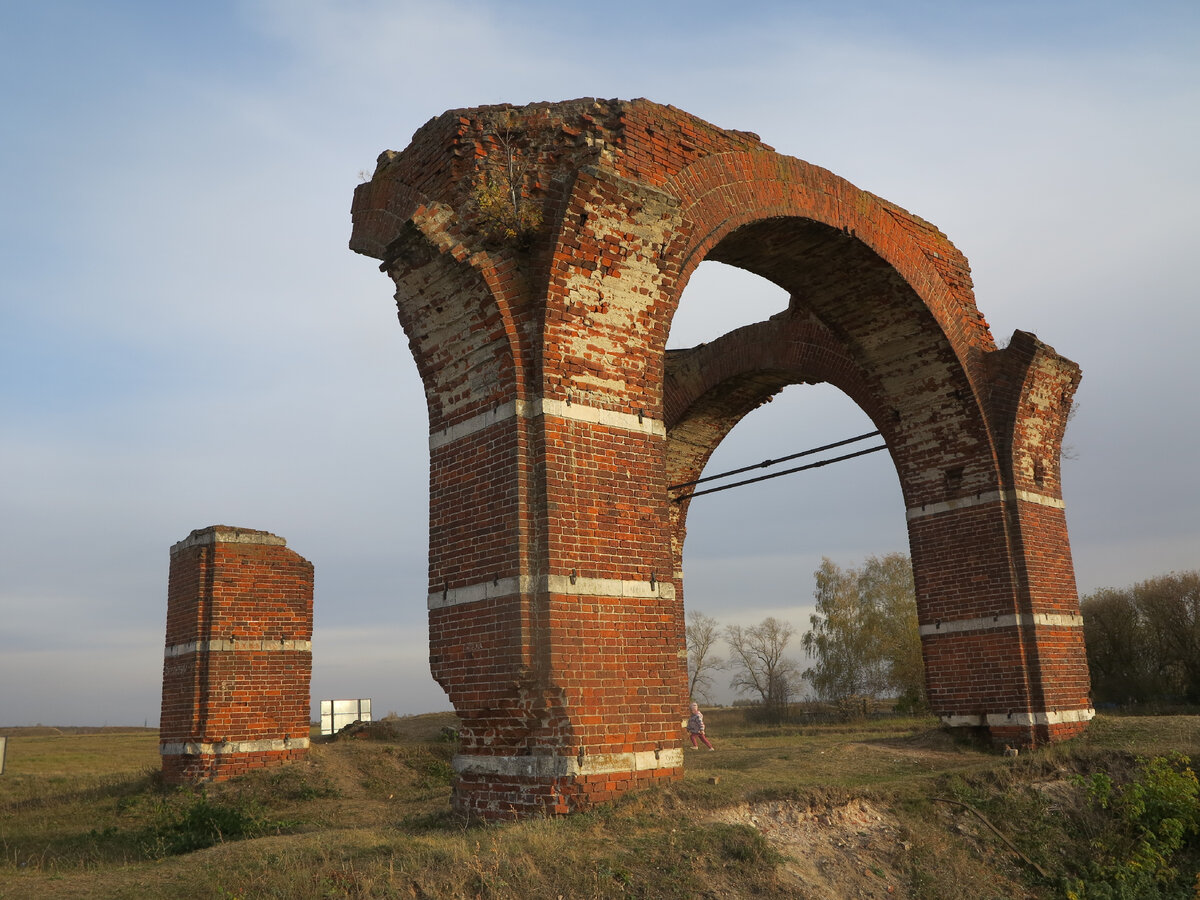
[{"x": 864, "y": 638}]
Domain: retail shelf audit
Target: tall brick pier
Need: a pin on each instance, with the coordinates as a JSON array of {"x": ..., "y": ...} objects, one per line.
[
  {"x": 538, "y": 255},
  {"x": 238, "y": 657}
]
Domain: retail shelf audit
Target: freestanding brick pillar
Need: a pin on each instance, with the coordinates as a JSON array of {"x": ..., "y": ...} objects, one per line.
[
  {"x": 539, "y": 254},
  {"x": 238, "y": 657}
]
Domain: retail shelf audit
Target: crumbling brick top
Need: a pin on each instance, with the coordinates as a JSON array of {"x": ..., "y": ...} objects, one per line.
[{"x": 226, "y": 534}]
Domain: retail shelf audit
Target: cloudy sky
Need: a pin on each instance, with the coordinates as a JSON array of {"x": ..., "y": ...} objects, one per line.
[{"x": 185, "y": 339}]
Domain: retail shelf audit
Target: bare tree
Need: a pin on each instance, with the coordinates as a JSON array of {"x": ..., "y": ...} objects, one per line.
[
  {"x": 759, "y": 666},
  {"x": 1070, "y": 451},
  {"x": 702, "y": 635}
]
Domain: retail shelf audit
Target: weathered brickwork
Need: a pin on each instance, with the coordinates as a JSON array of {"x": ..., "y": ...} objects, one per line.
[
  {"x": 558, "y": 421},
  {"x": 238, "y": 657}
]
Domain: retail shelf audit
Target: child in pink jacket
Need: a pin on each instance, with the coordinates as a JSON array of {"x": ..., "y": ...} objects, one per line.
[{"x": 695, "y": 727}]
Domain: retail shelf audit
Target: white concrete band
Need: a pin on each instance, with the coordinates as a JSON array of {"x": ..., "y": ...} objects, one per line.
[
  {"x": 567, "y": 766},
  {"x": 224, "y": 748},
  {"x": 1022, "y": 719},
  {"x": 476, "y": 423},
  {"x": 609, "y": 587},
  {"x": 933, "y": 509},
  {"x": 541, "y": 407},
  {"x": 593, "y": 415},
  {"x": 473, "y": 593},
  {"x": 1016, "y": 620},
  {"x": 551, "y": 584},
  {"x": 238, "y": 646}
]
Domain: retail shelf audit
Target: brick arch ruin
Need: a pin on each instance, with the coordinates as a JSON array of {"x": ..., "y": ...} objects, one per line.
[{"x": 539, "y": 254}]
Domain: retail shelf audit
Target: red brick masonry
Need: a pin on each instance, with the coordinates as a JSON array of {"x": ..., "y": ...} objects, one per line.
[
  {"x": 238, "y": 656},
  {"x": 557, "y": 420}
]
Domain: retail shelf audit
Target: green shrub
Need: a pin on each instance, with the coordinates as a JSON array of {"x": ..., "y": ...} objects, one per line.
[
  {"x": 1152, "y": 825},
  {"x": 203, "y": 823}
]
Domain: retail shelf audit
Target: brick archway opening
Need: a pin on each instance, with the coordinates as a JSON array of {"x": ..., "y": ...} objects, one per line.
[
  {"x": 752, "y": 551},
  {"x": 748, "y": 552},
  {"x": 719, "y": 298}
]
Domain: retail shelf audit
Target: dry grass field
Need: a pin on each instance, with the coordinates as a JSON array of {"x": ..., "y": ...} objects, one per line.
[{"x": 893, "y": 808}]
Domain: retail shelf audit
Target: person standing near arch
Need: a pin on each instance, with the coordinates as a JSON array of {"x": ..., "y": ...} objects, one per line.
[{"x": 695, "y": 727}]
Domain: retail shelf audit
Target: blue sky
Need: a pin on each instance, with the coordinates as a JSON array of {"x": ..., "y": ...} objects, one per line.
[{"x": 185, "y": 339}]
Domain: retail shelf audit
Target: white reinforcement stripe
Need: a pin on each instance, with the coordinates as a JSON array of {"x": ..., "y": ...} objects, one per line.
[
  {"x": 641, "y": 424},
  {"x": 224, "y": 748},
  {"x": 473, "y": 593},
  {"x": 475, "y": 423},
  {"x": 932, "y": 509},
  {"x": 238, "y": 646},
  {"x": 1010, "y": 621},
  {"x": 557, "y": 408},
  {"x": 567, "y": 766},
  {"x": 1025, "y": 719},
  {"x": 551, "y": 584}
]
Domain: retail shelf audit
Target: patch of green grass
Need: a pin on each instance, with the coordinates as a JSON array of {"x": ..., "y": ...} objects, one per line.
[
  {"x": 1144, "y": 735},
  {"x": 72, "y": 754},
  {"x": 203, "y": 823},
  {"x": 292, "y": 784}
]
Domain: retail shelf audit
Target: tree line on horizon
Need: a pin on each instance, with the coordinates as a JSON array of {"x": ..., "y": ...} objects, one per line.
[
  {"x": 863, "y": 641},
  {"x": 1143, "y": 642}
]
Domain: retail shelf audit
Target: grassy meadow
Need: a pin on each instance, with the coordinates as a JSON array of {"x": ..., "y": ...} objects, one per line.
[{"x": 890, "y": 808}]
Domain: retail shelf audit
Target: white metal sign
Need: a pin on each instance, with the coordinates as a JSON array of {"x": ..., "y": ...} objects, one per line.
[{"x": 337, "y": 714}]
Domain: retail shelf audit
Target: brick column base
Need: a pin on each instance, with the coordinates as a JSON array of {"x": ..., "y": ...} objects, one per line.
[
  {"x": 192, "y": 762},
  {"x": 518, "y": 787}
]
